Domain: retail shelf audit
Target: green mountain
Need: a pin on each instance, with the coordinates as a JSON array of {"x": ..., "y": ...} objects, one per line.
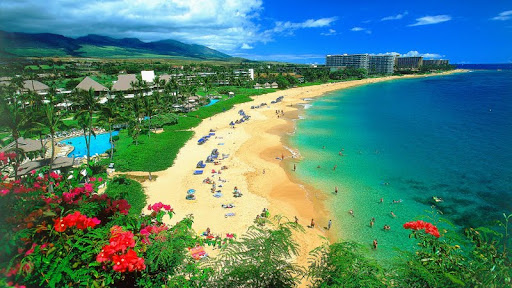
[{"x": 16, "y": 44}]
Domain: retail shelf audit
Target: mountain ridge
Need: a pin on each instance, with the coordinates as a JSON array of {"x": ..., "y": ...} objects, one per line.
[{"x": 18, "y": 44}]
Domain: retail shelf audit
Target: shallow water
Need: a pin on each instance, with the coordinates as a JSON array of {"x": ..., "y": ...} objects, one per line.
[
  {"x": 409, "y": 140},
  {"x": 99, "y": 144}
]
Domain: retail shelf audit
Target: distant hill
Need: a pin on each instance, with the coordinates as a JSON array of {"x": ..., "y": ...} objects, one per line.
[{"x": 16, "y": 44}]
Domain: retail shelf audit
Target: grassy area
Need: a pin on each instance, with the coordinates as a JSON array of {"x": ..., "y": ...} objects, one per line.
[
  {"x": 158, "y": 152},
  {"x": 151, "y": 154},
  {"x": 131, "y": 190},
  {"x": 38, "y": 52}
]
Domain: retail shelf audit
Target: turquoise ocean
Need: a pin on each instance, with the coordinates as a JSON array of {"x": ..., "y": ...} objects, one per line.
[{"x": 408, "y": 140}]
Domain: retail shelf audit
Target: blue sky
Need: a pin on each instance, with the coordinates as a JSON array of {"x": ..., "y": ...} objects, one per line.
[{"x": 293, "y": 31}]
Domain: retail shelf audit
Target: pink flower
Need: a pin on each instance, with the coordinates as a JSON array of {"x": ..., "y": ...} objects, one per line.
[
  {"x": 88, "y": 187},
  {"x": 100, "y": 179},
  {"x": 92, "y": 179},
  {"x": 32, "y": 172},
  {"x": 31, "y": 250},
  {"x": 4, "y": 192}
]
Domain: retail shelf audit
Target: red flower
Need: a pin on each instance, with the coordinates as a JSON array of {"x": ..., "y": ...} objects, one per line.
[
  {"x": 159, "y": 206},
  {"x": 128, "y": 262},
  {"x": 420, "y": 225},
  {"x": 4, "y": 192},
  {"x": 59, "y": 225}
]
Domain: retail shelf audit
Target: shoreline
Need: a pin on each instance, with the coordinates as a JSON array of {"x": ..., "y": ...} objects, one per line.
[{"x": 265, "y": 182}]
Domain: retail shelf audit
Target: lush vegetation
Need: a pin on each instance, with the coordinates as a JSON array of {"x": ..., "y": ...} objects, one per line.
[{"x": 57, "y": 231}]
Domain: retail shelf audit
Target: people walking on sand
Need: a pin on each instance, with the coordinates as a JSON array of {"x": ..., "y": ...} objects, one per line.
[
  {"x": 312, "y": 223},
  {"x": 375, "y": 244},
  {"x": 329, "y": 225}
]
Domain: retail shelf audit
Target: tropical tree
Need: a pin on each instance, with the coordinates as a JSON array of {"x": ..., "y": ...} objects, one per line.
[
  {"x": 110, "y": 115},
  {"x": 343, "y": 265},
  {"x": 14, "y": 116},
  {"x": 262, "y": 257},
  {"x": 86, "y": 103},
  {"x": 52, "y": 121}
]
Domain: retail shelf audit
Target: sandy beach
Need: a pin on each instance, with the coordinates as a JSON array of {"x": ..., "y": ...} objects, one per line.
[{"x": 252, "y": 153}]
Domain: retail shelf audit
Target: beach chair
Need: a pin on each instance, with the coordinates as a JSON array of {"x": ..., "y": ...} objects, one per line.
[
  {"x": 200, "y": 164},
  {"x": 198, "y": 172}
]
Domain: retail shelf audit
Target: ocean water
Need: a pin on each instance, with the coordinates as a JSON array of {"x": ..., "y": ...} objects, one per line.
[
  {"x": 407, "y": 141},
  {"x": 99, "y": 144}
]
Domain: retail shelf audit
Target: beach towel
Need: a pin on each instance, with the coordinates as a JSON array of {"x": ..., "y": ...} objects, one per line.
[
  {"x": 231, "y": 214},
  {"x": 217, "y": 195},
  {"x": 198, "y": 172}
]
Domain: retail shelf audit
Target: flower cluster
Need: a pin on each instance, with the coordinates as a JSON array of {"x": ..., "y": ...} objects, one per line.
[
  {"x": 159, "y": 206},
  {"x": 114, "y": 252},
  {"x": 81, "y": 222},
  {"x": 5, "y": 157},
  {"x": 420, "y": 225},
  {"x": 154, "y": 229}
]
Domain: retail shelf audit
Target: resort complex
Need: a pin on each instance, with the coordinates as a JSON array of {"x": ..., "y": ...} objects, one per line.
[
  {"x": 233, "y": 144},
  {"x": 382, "y": 64}
]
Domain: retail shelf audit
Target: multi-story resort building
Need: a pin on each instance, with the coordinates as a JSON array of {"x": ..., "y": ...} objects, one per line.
[
  {"x": 437, "y": 62},
  {"x": 412, "y": 63},
  {"x": 375, "y": 64},
  {"x": 381, "y": 64},
  {"x": 352, "y": 60}
]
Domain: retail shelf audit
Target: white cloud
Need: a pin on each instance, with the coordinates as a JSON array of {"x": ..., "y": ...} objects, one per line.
[
  {"x": 283, "y": 57},
  {"x": 395, "y": 17},
  {"x": 428, "y": 20},
  {"x": 246, "y": 46},
  {"x": 418, "y": 54},
  {"x": 505, "y": 15},
  {"x": 357, "y": 29},
  {"x": 219, "y": 24},
  {"x": 310, "y": 23},
  {"x": 329, "y": 33}
]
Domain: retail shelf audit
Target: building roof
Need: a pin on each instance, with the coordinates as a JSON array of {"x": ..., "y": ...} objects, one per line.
[
  {"x": 26, "y": 144},
  {"x": 124, "y": 82},
  {"x": 59, "y": 162},
  {"x": 165, "y": 77},
  {"x": 88, "y": 83},
  {"x": 34, "y": 85},
  {"x": 148, "y": 76}
]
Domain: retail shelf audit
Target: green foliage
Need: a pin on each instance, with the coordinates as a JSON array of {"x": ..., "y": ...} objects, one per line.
[
  {"x": 123, "y": 188},
  {"x": 155, "y": 154},
  {"x": 262, "y": 258},
  {"x": 344, "y": 265},
  {"x": 162, "y": 120}
]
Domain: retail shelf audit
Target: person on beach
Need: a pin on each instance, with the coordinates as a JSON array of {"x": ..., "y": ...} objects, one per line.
[
  {"x": 371, "y": 223},
  {"x": 387, "y": 227},
  {"x": 381, "y": 200},
  {"x": 329, "y": 225},
  {"x": 296, "y": 220},
  {"x": 294, "y": 167},
  {"x": 263, "y": 171},
  {"x": 351, "y": 212},
  {"x": 312, "y": 223},
  {"x": 318, "y": 166},
  {"x": 393, "y": 214},
  {"x": 375, "y": 244},
  {"x": 336, "y": 190},
  {"x": 334, "y": 168}
]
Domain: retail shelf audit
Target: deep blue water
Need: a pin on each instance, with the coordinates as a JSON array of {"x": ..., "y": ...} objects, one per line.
[
  {"x": 411, "y": 139},
  {"x": 99, "y": 144}
]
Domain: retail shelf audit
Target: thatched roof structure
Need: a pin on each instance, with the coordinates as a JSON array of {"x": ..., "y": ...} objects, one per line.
[{"x": 89, "y": 83}]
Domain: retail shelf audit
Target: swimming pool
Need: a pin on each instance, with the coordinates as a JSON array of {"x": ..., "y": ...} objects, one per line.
[
  {"x": 99, "y": 145},
  {"x": 212, "y": 101}
]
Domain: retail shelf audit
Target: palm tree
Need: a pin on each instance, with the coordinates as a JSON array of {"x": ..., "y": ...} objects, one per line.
[
  {"x": 109, "y": 114},
  {"x": 53, "y": 122},
  {"x": 86, "y": 102},
  {"x": 13, "y": 116}
]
